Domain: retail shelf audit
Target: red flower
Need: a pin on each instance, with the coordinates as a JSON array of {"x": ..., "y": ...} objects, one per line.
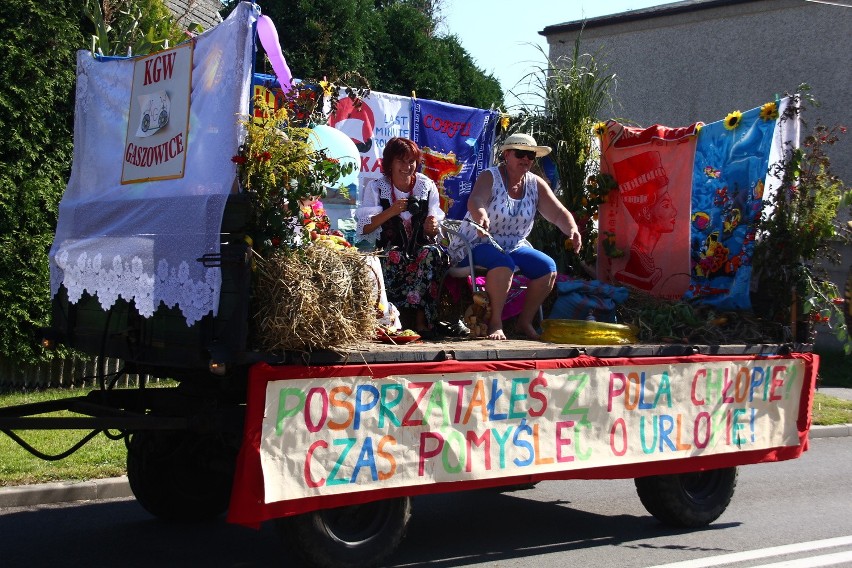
[
  {"x": 838, "y": 301},
  {"x": 239, "y": 160}
]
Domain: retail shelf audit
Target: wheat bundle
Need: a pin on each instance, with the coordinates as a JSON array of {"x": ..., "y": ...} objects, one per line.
[{"x": 314, "y": 298}]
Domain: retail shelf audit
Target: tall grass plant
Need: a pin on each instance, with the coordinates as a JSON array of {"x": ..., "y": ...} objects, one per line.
[{"x": 568, "y": 95}]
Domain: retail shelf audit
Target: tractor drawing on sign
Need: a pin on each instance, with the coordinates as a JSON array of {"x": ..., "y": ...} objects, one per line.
[{"x": 158, "y": 110}]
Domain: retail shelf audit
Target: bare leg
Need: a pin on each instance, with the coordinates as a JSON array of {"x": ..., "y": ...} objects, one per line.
[
  {"x": 497, "y": 283},
  {"x": 537, "y": 291}
]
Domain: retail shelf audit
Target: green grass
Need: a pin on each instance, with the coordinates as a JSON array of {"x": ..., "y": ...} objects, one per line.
[
  {"x": 102, "y": 457},
  {"x": 829, "y": 410}
]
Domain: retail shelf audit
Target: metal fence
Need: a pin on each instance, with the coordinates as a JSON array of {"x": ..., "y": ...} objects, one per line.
[{"x": 62, "y": 373}]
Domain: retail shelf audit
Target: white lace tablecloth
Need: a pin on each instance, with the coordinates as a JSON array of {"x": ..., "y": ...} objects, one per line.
[{"x": 140, "y": 241}]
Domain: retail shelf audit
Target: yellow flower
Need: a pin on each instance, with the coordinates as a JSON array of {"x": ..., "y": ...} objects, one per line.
[
  {"x": 733, "y": 120},
  {"x": 769, "y": 111},
  {"x": 599, "y": 129},
  {"x": 698, "y": 127},
  {"x": 326, "y": 88},
  {"x": 504, "y": 121}
]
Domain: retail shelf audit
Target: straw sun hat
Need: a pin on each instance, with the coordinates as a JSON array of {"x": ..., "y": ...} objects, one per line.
[{"x": 524, "y": 142}]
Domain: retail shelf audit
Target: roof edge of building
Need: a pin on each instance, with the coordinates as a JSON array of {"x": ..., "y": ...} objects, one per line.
[{"x": 641, "y": 14}]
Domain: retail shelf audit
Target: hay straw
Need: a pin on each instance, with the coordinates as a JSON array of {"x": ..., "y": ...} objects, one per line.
[{"x": 315, "y": 298}]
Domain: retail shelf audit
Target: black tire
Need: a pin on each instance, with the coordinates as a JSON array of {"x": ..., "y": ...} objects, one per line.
[
  {"x": 181, "y": 476},
  {"x": 146, "y": 122},
  {"x": 688, "y": 499},
  {"x": 163, "y": 118},
  {"x": 356, "y": 536}
]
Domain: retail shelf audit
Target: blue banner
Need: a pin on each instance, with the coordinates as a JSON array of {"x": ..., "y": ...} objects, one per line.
[
  {"x": 731, "y": 161},
  {"x": 456, "y": 143}
]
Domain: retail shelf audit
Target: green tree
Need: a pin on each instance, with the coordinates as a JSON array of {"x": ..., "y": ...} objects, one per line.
[
  {"x": 393, "y": 43},
  {"x": 320, "y": 37},
  {"x": 37, "y": 61}
]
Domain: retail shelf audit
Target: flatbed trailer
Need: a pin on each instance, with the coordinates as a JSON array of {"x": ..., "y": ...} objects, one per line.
[{"x": 331, "y": 445}]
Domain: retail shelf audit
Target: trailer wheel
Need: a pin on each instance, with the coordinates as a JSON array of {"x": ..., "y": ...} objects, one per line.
[
  {"x": 180, "y": 475},
  {"x": 355, "y": 536},
  {"x": 688, "y": 499}
]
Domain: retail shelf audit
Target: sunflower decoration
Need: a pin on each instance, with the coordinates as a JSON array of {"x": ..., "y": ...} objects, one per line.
[
  {"x": 599, "y": 129},
  {"x": 733, "y": 120},
  {"x": 504, "y": 121},
  {"x": 769, "y": 111}
]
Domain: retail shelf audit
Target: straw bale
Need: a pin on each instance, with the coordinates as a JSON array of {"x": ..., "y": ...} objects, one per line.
[{"x": 314, "y": 298}]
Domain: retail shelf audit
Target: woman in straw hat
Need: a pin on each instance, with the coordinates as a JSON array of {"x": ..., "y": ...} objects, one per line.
[{"x": 504, "y": 202}]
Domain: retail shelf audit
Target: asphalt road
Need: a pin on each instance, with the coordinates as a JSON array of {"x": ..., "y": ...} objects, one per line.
[{"x": 558, "y": 523}]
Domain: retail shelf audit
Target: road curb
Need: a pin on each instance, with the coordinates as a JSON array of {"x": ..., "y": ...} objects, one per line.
[
  {"x": 64, "y": 492},
  {"x": 834, "y": 431},
  {"x": 118, "y": 487}
]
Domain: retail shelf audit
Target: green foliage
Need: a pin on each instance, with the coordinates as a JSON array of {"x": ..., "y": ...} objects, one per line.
[
  {"x": 37, "y": 70},
  {"x": 282, "y": 173},
  {"x": 800, "y": 229},
  {"x": 40, "y": 39},
  {"x": 835, "y": 369},
  {"x": 572, "y": 91},
  {"x": 392, "y": 43},
  {"x": 132, "y": 27}
]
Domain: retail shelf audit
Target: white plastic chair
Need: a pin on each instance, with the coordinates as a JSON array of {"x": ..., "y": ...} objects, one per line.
[{"x": 451, "y": 228}]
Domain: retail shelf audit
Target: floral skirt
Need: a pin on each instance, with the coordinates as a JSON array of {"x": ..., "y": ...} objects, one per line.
[{"x": 413, "y": 281}]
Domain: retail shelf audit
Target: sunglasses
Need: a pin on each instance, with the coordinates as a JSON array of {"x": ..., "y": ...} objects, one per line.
[{"x": 528, "y": 154}]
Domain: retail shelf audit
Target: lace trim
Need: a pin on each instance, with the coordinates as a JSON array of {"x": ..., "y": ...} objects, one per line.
[
  {"x": 171, "y": 285},
  {"x": 419, "y": 191}
]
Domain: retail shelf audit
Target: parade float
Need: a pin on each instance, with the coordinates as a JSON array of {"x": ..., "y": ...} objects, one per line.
[{"x": 191, "y": 246}]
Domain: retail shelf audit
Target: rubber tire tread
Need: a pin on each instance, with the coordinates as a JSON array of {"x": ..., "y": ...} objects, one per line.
[
  {"x": 309, "y": 535},
  {"x": 674, "y": 501}
]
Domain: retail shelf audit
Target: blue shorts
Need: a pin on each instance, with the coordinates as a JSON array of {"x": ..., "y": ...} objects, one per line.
[{"x": 532, "y": 263}]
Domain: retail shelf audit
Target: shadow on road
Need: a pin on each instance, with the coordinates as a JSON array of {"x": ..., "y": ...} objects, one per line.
[{"x": 447, "y": 530}]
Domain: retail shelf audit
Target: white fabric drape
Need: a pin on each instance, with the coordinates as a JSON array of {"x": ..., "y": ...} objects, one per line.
[{"x": 140, "y": 241}]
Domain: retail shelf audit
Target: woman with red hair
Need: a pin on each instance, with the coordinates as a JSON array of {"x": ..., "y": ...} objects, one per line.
[{"x": 400, "y": 212}]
